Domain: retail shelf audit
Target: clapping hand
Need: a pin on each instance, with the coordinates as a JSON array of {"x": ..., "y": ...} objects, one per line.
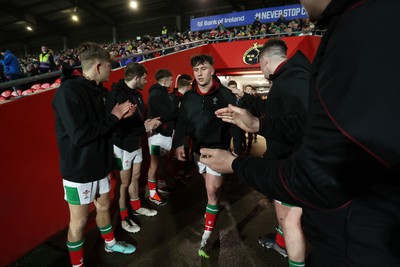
[
  {"x": 123, "y": 110},
  {"x": 152, "y": 124}
]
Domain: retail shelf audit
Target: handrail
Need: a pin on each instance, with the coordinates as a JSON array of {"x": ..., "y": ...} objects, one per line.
[
  {"x": 35, "y": 78},
  {"x": 260, "y": 36},
  {"x": 161, "y": 49}
]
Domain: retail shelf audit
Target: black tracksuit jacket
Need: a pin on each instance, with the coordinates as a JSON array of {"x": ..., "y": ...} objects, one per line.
[
  {"x": 346, "y": 173},
  {"x": 197, "y": 119},
  {"x": 127, "y": 134},
  {"x": 161, "y": 105},
  {"x": 176, "y": 98},
  {"x": 285, "y": 110},
  {"x": 83, "y": 130}
]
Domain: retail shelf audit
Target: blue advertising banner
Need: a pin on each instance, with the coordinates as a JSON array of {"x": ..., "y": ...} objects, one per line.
[{"x": 266, "y": 15}]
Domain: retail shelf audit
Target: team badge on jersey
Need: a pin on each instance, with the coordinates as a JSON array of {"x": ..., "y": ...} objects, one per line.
[
  {"x": 86, "y": 194},
  {"x": 215, "y": 100}
]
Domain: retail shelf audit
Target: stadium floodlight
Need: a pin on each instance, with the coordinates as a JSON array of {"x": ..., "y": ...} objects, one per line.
[{"x": 134, "y": 4}]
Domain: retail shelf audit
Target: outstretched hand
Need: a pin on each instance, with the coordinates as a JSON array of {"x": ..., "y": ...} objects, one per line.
[
  {"x": 240, "y": 117},
  {"x": 218, "y": 160}
]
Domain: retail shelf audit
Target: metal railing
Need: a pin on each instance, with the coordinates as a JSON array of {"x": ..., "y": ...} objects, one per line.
[{"x": 40, "y": 77}]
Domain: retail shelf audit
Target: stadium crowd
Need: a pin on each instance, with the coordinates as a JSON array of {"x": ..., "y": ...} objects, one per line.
[{"x": 162, "y": 44}]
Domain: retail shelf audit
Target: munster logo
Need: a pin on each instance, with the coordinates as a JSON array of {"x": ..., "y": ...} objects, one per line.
[{"x": 250, "y": 57}]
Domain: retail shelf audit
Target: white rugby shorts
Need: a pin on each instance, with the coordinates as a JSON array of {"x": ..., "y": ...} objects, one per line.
[
  {"x": 85, "y": 193},
  {"x": 159, "y": 144},
  {"x": 125, "y": 159},
  {"x": 204, "y": 168}
]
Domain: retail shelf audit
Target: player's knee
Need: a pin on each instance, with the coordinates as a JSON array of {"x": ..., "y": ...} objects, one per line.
[
  {"x": 102, "y": 206},
  {"x": 77, "y": 224},
  {"x": 212, "y": 192}
]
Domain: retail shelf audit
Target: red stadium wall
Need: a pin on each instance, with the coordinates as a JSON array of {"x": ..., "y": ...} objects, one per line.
[
  {"x": 229, "y": 57},
  {"x": 32, "y": 208}
]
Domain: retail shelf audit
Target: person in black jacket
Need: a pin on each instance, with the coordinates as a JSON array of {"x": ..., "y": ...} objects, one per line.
[
  {"x": 184, "y": 83},
  {"x": 181, "y": 169},
  {"x": 127, "y": 139},
  {"x": 236, "y": 132},
  {"x": 249, "y": 89},
  {"x": 197, "y": 120},
  {"x": 160, "y": 142},
  {"x": 346, "y": 172},
  {"x": 83, "y": 131},
  {"x": 288, "y": 96}
]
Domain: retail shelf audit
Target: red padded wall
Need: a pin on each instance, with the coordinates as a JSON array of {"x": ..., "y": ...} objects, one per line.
[{"x": 31, "y": 201}]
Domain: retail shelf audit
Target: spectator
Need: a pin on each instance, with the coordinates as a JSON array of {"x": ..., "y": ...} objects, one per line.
[
  {"x": 263, "y": 30},
  {"x": 10, "y": 64},
  {"x": 222, "y": 34},
  {"x": 149, "y": 43},
  {"x": 295, "y": 29},
  {"x": 164, "y": 32},
  {"x": 36, "y": 66},
  {"x": 186, "y": 41},
  {"x": 114, "y": 64},
  {"x": 156, "y": 46},
  {"x": 241, "y": 31},
  {"x": 46, "y": 60},
  {"x": 231, "y": 34},
  {"x": 31, "y": 70},
  {"x": 282, "y": 27},
  {"x": 2, "y": 77},
  {"x": 126, "y": 61},
  {"x": 221, "y": 27},
  {"x": 147, "y": 49},
  {"x": 58, "y": 64},
  {"x": 213, "y": 34},
  {"x": 257, "y": 23},
  {"x": 288, "y": 32},
  {"x": 272, "y": 28},
  {"x": 70, "y": 62},
  {"x": 170, "y": 46},
  {"x": 306, "y": 31},
  {"x": 256, "y": 32},
  {"x": 281, "y": 20}
]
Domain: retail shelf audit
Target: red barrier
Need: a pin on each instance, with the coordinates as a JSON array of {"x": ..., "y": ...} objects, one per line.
[
  {"x": 31, "y": 202},
  {"x": 32, "y": 208}
]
